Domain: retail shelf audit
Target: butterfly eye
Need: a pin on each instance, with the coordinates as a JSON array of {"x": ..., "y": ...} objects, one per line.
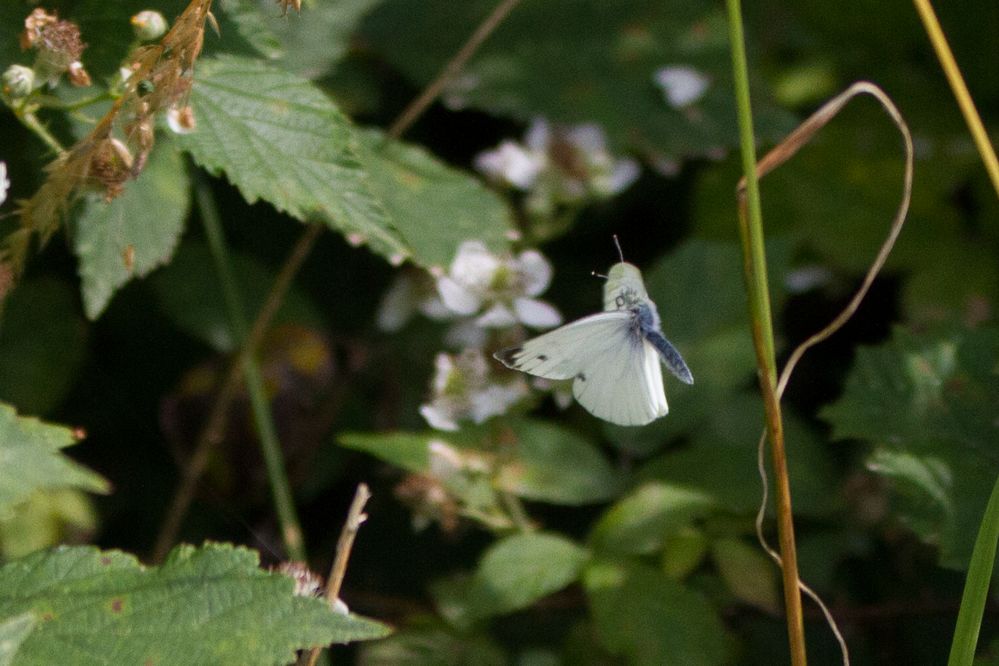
[{"x": 619, "y": 301}]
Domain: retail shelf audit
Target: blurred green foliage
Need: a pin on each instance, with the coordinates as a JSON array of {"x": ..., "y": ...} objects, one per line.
[{"x": 542, "y": 536}]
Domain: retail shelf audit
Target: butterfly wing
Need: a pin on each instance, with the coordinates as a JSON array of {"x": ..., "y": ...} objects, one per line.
[
  {"x": 623, "y": 383},
  {"x": 566, "y": 351}
]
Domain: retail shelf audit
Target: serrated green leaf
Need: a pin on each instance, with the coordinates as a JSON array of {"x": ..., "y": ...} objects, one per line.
[
  {"x": 206, "y": 605},
  {"x": 434, "y": 207},
  {"x": 30, "y": 460},
  {"x": 648, "y": 618},
  {"x": 315, "y": 41},
  {"x": 133, "y": 234},
  {"x": 13, "y": 632},
  {"x": 539, "y": 471},
  {"x": 518, "y": 570},
  {"x": 576, "y": 61},
  {"x": 749, "y": 574},
  {"x": 640, "y": 522},
  {"x": 927, "y": 405},
  {"x": 42, "y": 345},
  {"x": 279, "y": 138},
  {"x": 190, "y": 294}
]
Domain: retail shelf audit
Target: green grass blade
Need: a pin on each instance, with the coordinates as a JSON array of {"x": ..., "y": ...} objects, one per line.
[{"x": 976, "y": 586}]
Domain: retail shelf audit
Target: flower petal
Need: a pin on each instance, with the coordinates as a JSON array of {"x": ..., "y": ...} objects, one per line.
[
  {"x": 682, "y": 85},
  {"x": 535, "y": 272},
  {"x": 457, "y": 298},
  {"x": 498, "y": 316},
  {"x": 438, "y": 418},
  {"x": 535, "y": 313}
]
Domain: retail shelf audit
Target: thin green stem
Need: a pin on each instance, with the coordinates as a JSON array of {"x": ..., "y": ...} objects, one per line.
[
  {"x": 30, "y": 120},
  {"x": 754, "y": 264},
  {"x": 270, "y": 447},
  {"x": 50, "y": 102}
]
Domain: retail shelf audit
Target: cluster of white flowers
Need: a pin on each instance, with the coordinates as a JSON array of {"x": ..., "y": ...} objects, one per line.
[
  {"x": 464, "y": 389},
  {"x": 481, "y": 291},
  {"x": 558, "y": 166}
]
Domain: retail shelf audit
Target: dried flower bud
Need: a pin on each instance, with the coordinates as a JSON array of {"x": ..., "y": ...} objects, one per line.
[
  {"x": 18, "y": 82},
  {"x": 111, "y": 166},
  {"x": 33, "y": 25},
  {"x": 78, "y": 75},
  {"x": 149, "y": 25},
  {"x": 181, "y": 120}
]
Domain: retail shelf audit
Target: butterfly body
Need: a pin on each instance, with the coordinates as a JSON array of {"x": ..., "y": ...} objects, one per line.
[{"x": 613, "y": 357}]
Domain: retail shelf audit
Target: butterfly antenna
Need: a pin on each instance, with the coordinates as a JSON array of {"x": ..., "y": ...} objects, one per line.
[
  {"x": 619, "y": 252},
  {"x": 596, "y": 274}
]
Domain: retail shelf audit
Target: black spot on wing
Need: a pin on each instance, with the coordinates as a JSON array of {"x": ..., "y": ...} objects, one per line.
[
  {"x": 581, "y": 377},
  {"x": 508, "y": 356}
]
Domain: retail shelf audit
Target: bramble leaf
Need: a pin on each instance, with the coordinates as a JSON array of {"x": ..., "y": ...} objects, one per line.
[
  {"x": 927, "y": 405},
  {"x": 134, "y": 233},
  {"x": 30, "y": 460},
  {"x": 279, "y": 138},
  {"x": 204, "y": 605}
]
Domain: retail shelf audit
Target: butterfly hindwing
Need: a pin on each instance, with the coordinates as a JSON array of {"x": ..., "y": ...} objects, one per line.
[{"x": 623, "y": 384}]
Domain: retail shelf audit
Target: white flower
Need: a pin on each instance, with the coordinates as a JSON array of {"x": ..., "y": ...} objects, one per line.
[
  {"x": 681, "y": 85},
  {"x": 559, "y": 165},
  {"x": 510, "y": 164},
  {"x": 502, "y": 289},
  {"x": 462, "y": 390},
  {"x": 4, "y": 183}
]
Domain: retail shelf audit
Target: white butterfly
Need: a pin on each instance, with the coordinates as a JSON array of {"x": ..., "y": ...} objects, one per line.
[{"x": 612, "y": 357}]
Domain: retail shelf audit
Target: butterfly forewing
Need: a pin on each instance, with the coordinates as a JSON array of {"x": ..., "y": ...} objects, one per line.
[{"x": 565, "y": 352}]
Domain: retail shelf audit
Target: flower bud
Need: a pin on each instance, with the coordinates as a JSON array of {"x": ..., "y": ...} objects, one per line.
[
  {"x": 149, "y": 25},
  {"x": 18, "y": 81},
  {"x": 78, "y": 76}
]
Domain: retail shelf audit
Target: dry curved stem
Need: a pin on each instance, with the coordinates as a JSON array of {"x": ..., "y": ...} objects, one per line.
[
  {"x": 772, "y": 160},
  {"x": 344, "y": 545},
  {"x": 214, "y": 428}
]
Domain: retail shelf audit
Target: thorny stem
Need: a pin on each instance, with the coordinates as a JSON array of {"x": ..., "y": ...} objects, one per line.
[
  {"x": 214, "y": 428},
  {"x": 964, "y": 100},
  {"x": 754, "y": 258}
]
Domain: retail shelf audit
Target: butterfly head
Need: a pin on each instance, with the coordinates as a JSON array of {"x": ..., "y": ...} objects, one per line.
[{"x": 624, "y": 287}]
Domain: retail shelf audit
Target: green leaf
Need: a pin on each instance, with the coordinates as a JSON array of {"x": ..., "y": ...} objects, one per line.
[
  {"x": 749, "y": 574},
  {"x": 31, "y": 460},
  {"x": 927, "y": 405},
  {"x": 640, "y": 522},
  {"x": 519, "y": 570},
  {"x": 538, "y": 470},
  {"x": 190, "y": 294},
  {"x": 255, "y": 25},
  {"x": 434, "y": 207},
  {"x": 408, "y": 451},
  {"x": 523, "y": 69},
  {"x": 532, "y": 466},
  {"x": 206, "y": 605},
  {"x": 44, "y": 520},
  {"x": 720, "y": 461},
  {"x": 430, "y": 643},
  {"x": 648, "y": 618},
  {"x": 279, "y": 138},
  {"x": 315, "y": 41},
  {"x": 13, "y": 632},
  {"x": 42, "y": 345},
  {"x": 141, "y": 227}
]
